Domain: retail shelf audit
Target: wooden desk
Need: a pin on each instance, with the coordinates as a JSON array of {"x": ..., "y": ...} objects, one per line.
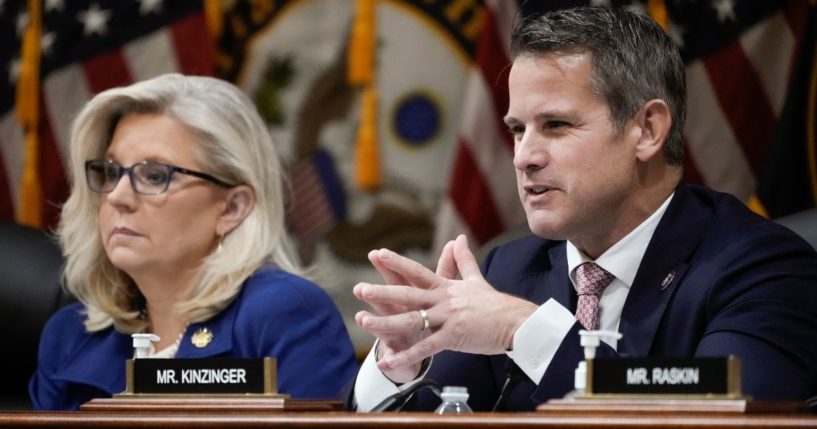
[
  {"x": 266, "y": 412},
  {"x": 84, "y": 419}
]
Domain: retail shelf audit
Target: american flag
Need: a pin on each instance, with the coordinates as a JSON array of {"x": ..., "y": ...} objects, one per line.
[
  {"x": 482, "y": 200},
  {"x": 750, "y": 70},
  {"x": 317, "y": 198},
  {"x": 86, "y": 47},
  {"x": 749, "y": 129}
]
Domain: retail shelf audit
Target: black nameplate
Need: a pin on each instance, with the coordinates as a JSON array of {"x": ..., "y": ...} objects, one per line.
[
  {"x": 664, "y": 376},
  {"x": 197, "y": 376}
]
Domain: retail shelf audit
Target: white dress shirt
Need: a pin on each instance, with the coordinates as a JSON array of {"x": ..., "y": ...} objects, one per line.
[{"x": 539, "y": 337}]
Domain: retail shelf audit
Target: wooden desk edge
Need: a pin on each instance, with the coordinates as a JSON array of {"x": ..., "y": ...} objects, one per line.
[{"x": 396, "y": 420}]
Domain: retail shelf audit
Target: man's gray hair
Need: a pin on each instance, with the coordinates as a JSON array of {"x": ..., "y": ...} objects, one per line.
[{"x": 633, "y": 61}]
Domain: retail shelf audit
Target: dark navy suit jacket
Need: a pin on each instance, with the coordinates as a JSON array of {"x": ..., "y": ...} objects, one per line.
[
  {"x": 276, "y": 314},
  {"x": 741, "y": 285}
]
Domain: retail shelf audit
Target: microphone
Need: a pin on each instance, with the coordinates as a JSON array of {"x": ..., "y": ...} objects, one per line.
[
  {"x": 515, "y": 375},
  {"x": 398, "y": 400}
]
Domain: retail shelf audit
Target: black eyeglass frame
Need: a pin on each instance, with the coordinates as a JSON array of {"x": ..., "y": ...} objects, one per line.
[{"x": 121, "y": 170}]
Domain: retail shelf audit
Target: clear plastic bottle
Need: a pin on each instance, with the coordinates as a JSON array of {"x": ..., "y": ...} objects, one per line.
[{"x": 455, "y": 401}]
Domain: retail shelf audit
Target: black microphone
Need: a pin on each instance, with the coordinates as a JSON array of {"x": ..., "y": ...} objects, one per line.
[
  {"x": 398, "y": 400},
  {"x": 812, "y": 403},
  {"x": 515, "y": 375}
]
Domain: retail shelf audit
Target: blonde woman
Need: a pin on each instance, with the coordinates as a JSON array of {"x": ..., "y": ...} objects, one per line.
[{"x": 175, "y": 226}]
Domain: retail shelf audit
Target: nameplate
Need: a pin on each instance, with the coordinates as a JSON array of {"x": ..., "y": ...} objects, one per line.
[
  {"x": 201, "y": 376},
  {"x": 696, "y": 376}
]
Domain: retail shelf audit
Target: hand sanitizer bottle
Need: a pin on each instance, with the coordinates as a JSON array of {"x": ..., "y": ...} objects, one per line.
[
  {"x": 141, "y": 344},
  {"x": 455, "y": 401},
  {"x": 589, "y": 340}
]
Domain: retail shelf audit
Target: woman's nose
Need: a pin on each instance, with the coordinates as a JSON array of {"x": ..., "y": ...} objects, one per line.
[{"x": 122, "y": 192}]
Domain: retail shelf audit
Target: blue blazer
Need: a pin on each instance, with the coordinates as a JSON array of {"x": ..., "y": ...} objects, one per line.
[
  {"x": 276, "y": 314},
  {"x": 740, "y": 285}
]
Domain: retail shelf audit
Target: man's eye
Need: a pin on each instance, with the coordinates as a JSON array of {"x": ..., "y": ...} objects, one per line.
[
  {"x": 553, "y": 125},
  {"x": 516, "y": 130}
]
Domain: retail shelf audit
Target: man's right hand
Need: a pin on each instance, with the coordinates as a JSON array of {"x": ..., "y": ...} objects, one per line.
[
  {"x": 391, "y": 343},
  {"x": 466, "y": 315}
]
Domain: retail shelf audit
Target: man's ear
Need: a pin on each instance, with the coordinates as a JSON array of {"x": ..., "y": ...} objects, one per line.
[
  {"x": 655, "y": 120},
  {"x": 240, "y": 202}
]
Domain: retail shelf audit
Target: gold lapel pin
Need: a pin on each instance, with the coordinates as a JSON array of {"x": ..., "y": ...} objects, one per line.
[
  {"x": 202, "y": 337},
  {"x": 667, "y": 280}
]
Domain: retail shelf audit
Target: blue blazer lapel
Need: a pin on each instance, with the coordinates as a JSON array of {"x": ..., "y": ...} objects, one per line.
[
  {"x": 557, "y": 284},
  {"x": 549, "y": 280},
  {"x": 103, "y": 365},
  {"x": 661, "y": 271},
  {"x": 221, "y": 329}
]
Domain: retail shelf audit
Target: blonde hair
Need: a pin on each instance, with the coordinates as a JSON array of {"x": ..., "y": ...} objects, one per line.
[{"x": 233, "y": 145}]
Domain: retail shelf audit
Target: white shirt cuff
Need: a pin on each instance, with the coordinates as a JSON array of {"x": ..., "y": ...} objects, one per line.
[
  {"x": 537, "y": 340},
  {"x": 372, "y": 386}
]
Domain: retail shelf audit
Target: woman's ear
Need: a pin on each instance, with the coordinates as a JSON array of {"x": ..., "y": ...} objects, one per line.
[
  {"x": 655, "y": 120},
  {"x": 240, "y": 201}
]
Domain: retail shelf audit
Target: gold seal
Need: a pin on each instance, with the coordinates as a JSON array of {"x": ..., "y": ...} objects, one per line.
[{"x": 202, "y": 337}]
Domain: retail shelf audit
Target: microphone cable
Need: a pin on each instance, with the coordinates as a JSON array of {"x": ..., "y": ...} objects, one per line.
[
  {"x": 398, "y": 400},
  {"x": 515, "y": 375}
]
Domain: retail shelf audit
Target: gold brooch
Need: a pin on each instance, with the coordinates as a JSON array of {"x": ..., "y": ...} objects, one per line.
[{"x": 202, "y": 337}]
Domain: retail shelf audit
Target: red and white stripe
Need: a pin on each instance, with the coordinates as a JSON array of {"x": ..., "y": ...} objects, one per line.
[
  {"x": 177, "y": 48},
  {"x": 736, "y": 95},
  {"x": 310, "y": 213},
  {"x": 481, "y": 200}
]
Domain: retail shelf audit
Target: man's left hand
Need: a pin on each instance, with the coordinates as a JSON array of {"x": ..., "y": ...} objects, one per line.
[{"x": 466, "y": 314}]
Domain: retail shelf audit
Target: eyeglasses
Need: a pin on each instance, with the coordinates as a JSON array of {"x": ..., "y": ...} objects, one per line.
[{"x": 146, "y": 177}]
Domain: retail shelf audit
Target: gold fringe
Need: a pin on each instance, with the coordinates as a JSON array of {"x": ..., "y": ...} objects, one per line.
[
  {"x": 212, "y": 13},
  {"x": 756, "y": 206},
  {"x": 362, "y": 44},
  {"x": 361, "y": 72},
  {"x": 27, "y": 107},
  {"x": 367, "y": 156},
  {"x": 658, "y": 11}
]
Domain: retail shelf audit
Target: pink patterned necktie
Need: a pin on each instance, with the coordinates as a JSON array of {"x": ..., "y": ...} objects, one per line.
[{"x": 591, "y": 280}]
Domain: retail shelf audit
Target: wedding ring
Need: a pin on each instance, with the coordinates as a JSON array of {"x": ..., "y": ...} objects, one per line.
[{"x": 424, "y": 315}]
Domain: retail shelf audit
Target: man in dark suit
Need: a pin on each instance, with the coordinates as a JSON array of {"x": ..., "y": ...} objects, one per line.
[{"x": 597, "y": 107}]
